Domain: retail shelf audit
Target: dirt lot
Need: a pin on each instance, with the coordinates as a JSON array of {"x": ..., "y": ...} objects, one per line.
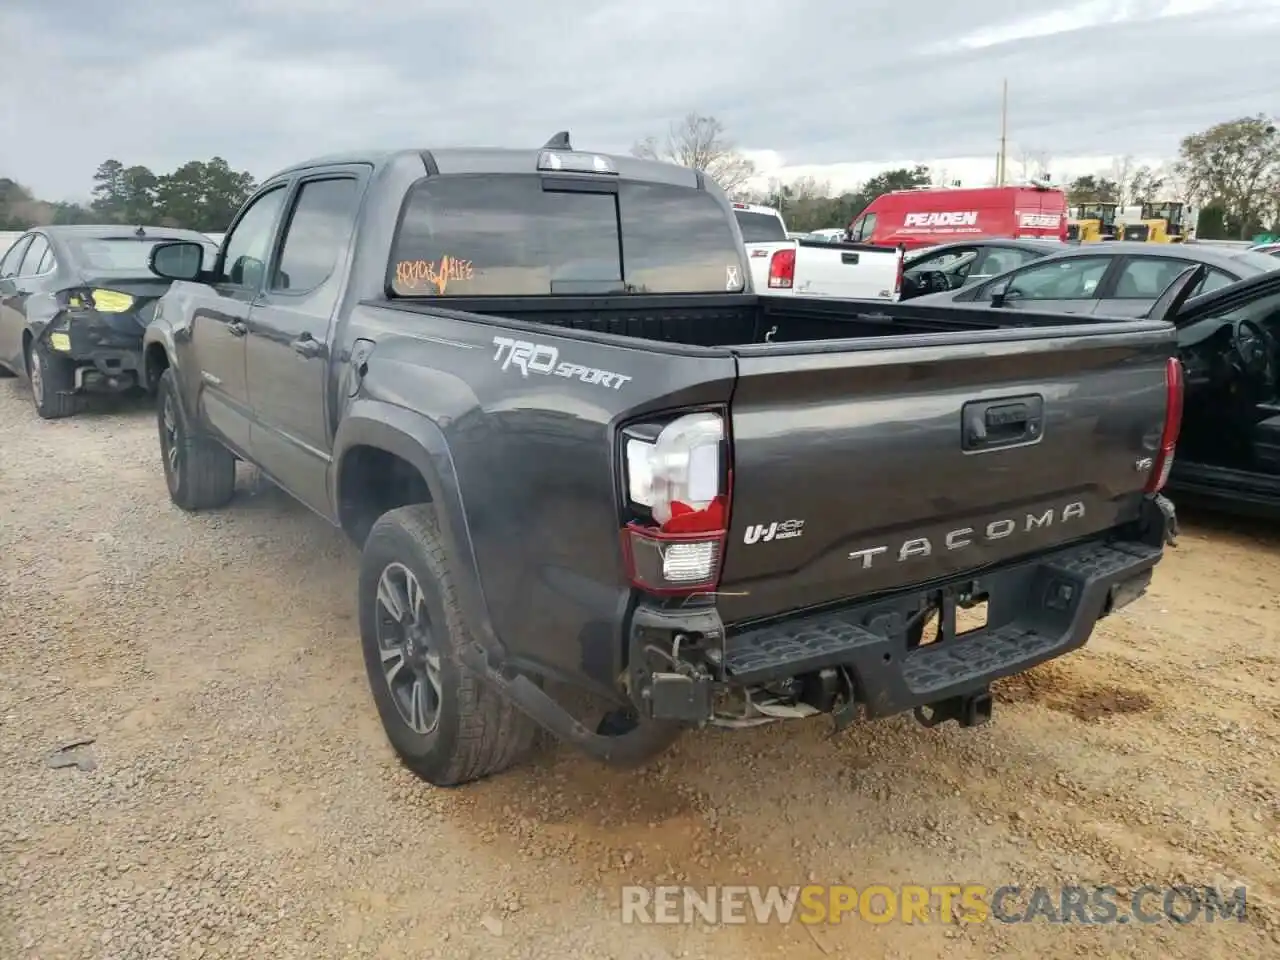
[{"x": 244, "y": 803}]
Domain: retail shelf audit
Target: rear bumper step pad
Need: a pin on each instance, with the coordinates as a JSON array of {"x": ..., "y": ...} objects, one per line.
[{"x": 1037, "y": 610}]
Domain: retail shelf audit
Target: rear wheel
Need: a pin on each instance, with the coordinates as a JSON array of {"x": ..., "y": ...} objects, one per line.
[
  {"x": 446, "y": 725},
  {"x": 53, "y": 382},
  {"x": 199, "y": 472}
]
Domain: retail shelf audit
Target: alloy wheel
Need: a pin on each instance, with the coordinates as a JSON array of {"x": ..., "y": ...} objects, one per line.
[
  {"x": 406, "y": 645},
  {"x": 169, "y": 421}
]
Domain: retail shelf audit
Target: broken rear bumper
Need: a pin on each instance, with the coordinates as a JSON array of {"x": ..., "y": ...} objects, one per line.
[
  {"x": 1036, "y": 611},
  {"x": 868, "y": 656},
  {"x": 864, "y": 656},
  {"x": 107, "y": 358}
]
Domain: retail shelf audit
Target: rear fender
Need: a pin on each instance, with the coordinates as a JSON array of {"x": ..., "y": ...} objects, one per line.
[{"x": 417, "y": 440}]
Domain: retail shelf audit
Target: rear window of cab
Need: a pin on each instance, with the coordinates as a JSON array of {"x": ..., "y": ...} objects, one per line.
[{"x": 529, "y": 235}]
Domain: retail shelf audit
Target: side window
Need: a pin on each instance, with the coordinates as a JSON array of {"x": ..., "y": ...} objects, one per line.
[
  {"x": 47, "y": 263},
  {"x": 865, "y": 228},
  {"x": 998, "y": 260},
  {"x": 935, "y": 262},
  {"x": 318, "y": 230},
  {"x": 35, "y": 253},
  {"x": 1214, "y": 280},
  {"x": 9, "y": 265},
  {"x": 958, "y": 263},
  {"x": 249, "y": 244},
  {"x": 1145, "y": 278},
  {"x": 1073, "y": 279}
]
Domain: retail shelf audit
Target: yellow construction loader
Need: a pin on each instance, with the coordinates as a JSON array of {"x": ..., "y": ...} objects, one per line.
[
  {"x": 1092, "y": 222},
  {"x": 1165, "y": 221}
]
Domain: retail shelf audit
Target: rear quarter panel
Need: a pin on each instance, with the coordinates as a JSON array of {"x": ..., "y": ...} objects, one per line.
[{"x": 535, "y": 465}]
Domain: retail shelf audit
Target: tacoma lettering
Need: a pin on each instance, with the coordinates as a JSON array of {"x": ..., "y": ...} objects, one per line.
[{"x": 963, "y": 537}]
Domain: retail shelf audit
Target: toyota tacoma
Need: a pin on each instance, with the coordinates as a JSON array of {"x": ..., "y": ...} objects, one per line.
[{"x": 580, "y": 454}]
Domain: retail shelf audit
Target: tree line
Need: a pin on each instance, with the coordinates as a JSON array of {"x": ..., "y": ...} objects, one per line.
[
  {"x": 199, "y": 195},
  {"x": 1231, "y": 171}
]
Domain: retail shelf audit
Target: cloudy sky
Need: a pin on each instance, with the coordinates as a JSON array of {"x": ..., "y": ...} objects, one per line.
[{"x": 833, "y": 88}]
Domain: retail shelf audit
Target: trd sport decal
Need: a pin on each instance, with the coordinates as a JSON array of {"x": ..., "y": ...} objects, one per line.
[{"x": 545, "y": 360}]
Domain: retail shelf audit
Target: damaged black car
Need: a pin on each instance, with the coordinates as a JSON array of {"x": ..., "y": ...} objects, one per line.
[{"x": 74, "y": 302}]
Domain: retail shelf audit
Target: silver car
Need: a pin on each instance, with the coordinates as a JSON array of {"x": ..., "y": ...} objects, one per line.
[{"x": 1116, "y": 279}]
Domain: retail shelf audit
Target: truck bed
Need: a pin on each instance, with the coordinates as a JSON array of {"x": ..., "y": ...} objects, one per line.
[{"x": 741, "y": 319}]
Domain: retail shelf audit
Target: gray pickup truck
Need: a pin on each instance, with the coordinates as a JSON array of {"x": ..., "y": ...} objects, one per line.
[{"x": 576, "y": 449}]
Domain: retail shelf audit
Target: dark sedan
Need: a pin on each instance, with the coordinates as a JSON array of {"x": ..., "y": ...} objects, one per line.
[
  {"x": 74, "y": 302},
  {"x": 951, "y": 266},
  {"x": 1118, "y": 279}
]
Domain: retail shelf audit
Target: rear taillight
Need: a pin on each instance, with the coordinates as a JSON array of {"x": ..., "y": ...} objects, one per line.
[
  {"x": 902, "y": 267},
  {"x": 103, "y": 301},
  {"x": 677, "y": 485},
  {"x": 782, "y": 269},
  {"x": 1172, "y": 425}
]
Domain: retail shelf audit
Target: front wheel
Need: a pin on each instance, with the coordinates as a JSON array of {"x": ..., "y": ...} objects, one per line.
[
  {"x": 199, "y": 472},
  {"x": 446, "y": 725}
]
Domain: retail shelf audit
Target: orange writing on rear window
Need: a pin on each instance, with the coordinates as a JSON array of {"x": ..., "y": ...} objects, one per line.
[{"x": 422, "y": 274}]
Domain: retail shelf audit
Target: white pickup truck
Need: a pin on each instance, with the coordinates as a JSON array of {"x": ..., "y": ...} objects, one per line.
[{"x": 814, "y": 268}]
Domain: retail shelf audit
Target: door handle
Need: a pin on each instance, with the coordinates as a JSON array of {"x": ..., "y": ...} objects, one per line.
[
  {"x": 237, "y": 328},
  {"x": 991, "y": 424},
  {"x": 307, "y": 346}
]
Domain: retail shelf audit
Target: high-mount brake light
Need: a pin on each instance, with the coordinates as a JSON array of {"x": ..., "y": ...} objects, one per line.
[
  {"x": 679, "y": 477},
  {"x": 1174, "y": 386},
  {"x": 782, "y": 269},
  {"x": 568, "y": 161}
]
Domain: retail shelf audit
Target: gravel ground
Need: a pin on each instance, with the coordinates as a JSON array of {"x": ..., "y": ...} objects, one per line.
[{"x": 241, "y": 801}]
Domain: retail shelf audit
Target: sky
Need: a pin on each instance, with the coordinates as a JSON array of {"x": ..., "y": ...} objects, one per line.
[{"x": 835, "y": 89}]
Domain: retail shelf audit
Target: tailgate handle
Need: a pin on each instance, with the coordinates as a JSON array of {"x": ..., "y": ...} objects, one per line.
[
  {"x": 1007, "y": 422},
  {"x": 850, "y": 258}
]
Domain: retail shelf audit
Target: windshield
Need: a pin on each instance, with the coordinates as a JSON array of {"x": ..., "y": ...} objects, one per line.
[
  {"x": 760, "y": 227},
  {"x": 126, "y": 256},
  {"x": 505, "y": 235}
]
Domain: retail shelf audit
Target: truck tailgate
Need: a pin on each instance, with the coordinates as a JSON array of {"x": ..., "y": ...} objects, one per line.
[
  {"x": 846, "y": 271},
  {"x": 867, "y": 467}
]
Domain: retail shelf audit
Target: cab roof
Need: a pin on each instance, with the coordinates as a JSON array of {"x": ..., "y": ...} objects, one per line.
[{"x": 495, "y": 160}]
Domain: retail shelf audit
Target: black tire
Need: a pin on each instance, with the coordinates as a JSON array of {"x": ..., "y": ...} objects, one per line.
[
  {"x": 476, "y": 731},
  {"x": 199, "y": 471},
  {"x": 53, "y": 382}
]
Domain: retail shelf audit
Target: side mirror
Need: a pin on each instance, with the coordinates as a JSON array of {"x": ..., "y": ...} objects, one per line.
[
  {"x": 177, "y": 260},
  {"x": 999, "y": 294}
]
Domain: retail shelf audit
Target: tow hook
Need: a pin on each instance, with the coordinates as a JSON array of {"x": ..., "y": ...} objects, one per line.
[{"x": 969, "y": 711}]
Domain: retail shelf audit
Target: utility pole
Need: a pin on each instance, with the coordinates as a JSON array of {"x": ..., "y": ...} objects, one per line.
[{"x": 1004, "y": 132}]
